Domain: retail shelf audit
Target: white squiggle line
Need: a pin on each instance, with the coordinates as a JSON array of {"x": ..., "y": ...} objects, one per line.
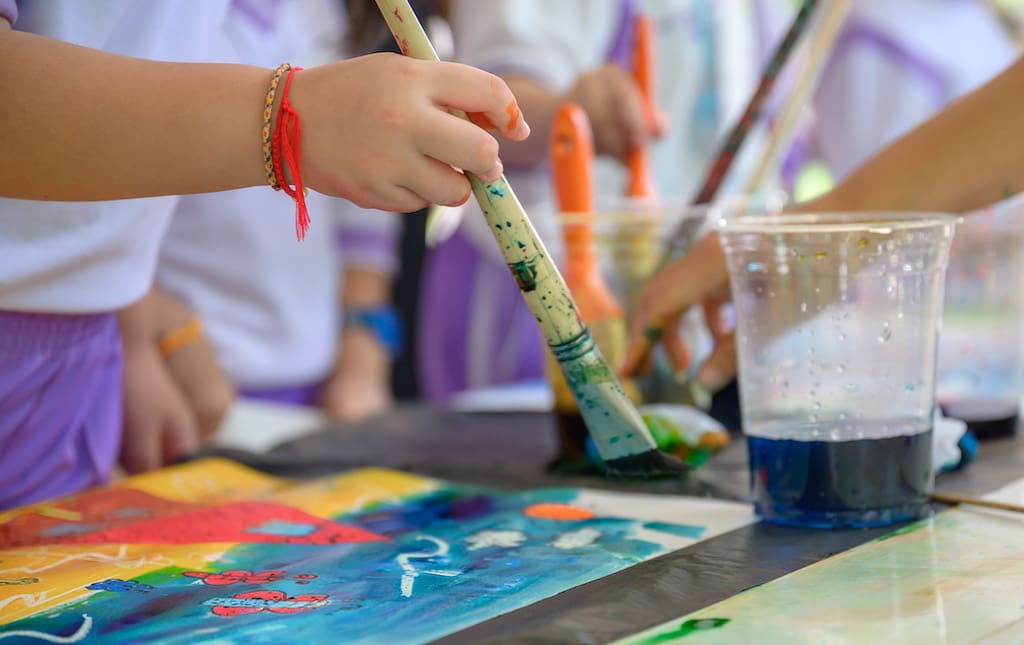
[
  {"x": 118, "y": 559},
  {"x": 409, "y": 571},
  {"x": 31, "y": 600},
  {"x": 80, "y": 633}
]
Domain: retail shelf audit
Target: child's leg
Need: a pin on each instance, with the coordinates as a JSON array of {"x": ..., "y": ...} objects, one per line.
[{"x": 60, "y": 404}]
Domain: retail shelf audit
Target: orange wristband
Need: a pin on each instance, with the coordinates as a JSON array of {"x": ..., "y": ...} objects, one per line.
[{"x": 174, "y": 340}]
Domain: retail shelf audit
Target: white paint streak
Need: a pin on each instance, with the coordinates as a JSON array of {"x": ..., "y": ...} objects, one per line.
[
  {"x": 55, "y": 559},
  {"x": 80, "y": 633},
  {"x": 34, "y": 599},
  {"x": 502, "y": 539},
  {"x": 410, "y": 572},
  {"x": 576, "y": 539}
]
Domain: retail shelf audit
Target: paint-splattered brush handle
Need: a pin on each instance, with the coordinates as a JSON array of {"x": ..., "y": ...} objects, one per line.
[
  {"x": 709, "y": 187},
  {"x": 723, "y": 161},
  {"x": 618, "y": 430}
]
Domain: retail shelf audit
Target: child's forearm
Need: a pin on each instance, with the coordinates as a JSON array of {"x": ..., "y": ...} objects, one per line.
[
  {"x": 970, "y": 155},
  {"x": 81, "y": 124}
]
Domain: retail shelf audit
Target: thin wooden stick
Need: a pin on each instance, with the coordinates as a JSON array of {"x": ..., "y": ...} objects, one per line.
[
  {"x": 723, "y": 161},
  {"x": 953, "y": 498},
  {"x": 819, "y": 45},
  {"x": 619, "y": 432}
]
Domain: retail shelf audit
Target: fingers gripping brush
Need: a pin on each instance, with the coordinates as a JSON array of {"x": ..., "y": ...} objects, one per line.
[{"x": 619, "y": 432}]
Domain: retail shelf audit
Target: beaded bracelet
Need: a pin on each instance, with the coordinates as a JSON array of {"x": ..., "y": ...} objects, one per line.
[{"x": 268, "y": 109}]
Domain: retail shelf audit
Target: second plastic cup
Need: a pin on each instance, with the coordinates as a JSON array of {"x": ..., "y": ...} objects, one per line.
[
  {"x": 980, "y": 351},
  {"x": 837, "y": 321}
]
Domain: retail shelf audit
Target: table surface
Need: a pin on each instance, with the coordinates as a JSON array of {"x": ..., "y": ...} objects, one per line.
[{"x": 515, "y": 450}]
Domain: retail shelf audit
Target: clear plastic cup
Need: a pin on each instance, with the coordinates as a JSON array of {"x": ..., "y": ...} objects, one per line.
[
  {"x": 980, "y": 349},
  {"x": 837, "y": 324},
  {"x": 632, "y": 238}
]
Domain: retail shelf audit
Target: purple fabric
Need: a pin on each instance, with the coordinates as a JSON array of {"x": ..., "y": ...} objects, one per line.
[
  {"x": 261, "y": 13},
  {"x": 307, "y": 395},
  {"x": 60, "y": 404},
  {"x": 446, "y": 309},
  {"x": 9, "y": 10},
  {"x": 859, "y": 33},
  {"x": 621, "y": 49},
  {"x": 368, "y": 247}
]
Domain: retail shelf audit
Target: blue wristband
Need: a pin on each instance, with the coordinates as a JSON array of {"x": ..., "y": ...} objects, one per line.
[{"x": 383, "y": 322}]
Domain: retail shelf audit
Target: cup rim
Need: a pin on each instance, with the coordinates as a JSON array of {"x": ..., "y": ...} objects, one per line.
[
  {"x": 882, "y": 222},
  {"x": 623, "y": 208}
]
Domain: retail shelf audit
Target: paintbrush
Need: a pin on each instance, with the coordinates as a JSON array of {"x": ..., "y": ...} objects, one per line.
[
  {"x": 572, "y": 156},
  {"x": 727, "y": 154},
  {"x": 953, "y": 499},
  {"x": 718, "y": 170},
  {"x": 819, "y": 45},
  {"x": 618, "y": 430}
]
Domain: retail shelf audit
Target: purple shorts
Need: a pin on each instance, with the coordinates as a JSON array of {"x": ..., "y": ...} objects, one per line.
[{"x": 60, "y": 404}]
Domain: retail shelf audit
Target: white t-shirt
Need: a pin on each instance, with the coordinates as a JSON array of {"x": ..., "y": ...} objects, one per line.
[
  {"x": 269, "y": 302},
  {"x": 98, "y": 256}
]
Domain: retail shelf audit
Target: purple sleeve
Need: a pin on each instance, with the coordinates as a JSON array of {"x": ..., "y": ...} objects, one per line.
[
  {"x": 367, "y": 239},
  {"x": 9, "y": 10}
]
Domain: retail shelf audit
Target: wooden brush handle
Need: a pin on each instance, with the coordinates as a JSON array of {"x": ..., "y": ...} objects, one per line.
[{"x": 618, "y": 430}]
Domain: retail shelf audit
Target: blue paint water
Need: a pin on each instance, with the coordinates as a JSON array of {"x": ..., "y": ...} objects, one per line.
[{"x": 832, "y": 484}]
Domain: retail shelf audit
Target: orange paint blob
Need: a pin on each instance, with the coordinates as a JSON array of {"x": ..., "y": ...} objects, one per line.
[
  {"x": 512, "y": 109},
  {"x": 562, "y": 512}
]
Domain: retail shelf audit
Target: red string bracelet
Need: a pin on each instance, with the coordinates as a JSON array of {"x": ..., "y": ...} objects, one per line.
[{"x": 287, "y": 141}]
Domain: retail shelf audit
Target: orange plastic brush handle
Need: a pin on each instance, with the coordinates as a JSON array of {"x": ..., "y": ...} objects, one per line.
[
  {"x": 572, "y": 154},
  {"x": 640, "y": 182}
]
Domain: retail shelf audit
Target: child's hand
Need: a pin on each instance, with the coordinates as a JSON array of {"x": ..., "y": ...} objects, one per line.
[
  {"x": 376, "y": 130},
  {"x": 360, "y": 385},
  {"x": 698, "y": 277},
  {"x": 615, "y": 106},
  {"x": 159, "y": 426}
]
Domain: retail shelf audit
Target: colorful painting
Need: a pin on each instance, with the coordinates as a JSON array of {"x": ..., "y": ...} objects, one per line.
[
  {"x": 955, "y": 578},
  {"x": 213, "y": 551}
]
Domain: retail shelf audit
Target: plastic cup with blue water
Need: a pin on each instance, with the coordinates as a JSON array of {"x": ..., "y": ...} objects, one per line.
[{"x": 837, "y": 323}]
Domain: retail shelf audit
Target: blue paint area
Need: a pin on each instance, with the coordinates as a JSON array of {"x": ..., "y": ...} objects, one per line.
[
  {"x": 119, "y": 586},
  {"x": 70, "y": 529},
  {"x": 281, "y": 527},
  {"x": 497, "y": 191},
  {"x": 682, "y": 530},
  {"x": 450, "y": 588}
]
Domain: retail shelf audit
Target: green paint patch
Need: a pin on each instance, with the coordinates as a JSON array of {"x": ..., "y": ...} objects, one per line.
[
  {"x": 654, "y": 334},
  {"x": 686, "y": 629},
  {"x": 910, "y": 528},
  {"x": 525, "y": 272}
]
